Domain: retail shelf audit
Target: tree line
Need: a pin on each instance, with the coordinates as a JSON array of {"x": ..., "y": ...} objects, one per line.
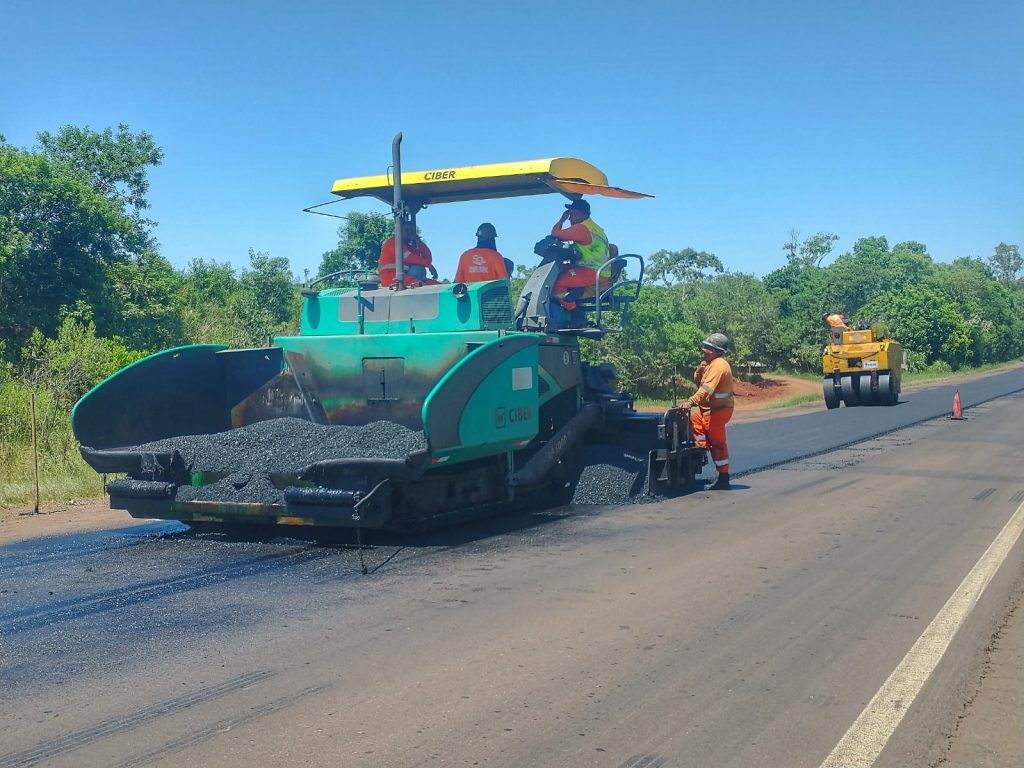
[{"x": 84, "y": 289}]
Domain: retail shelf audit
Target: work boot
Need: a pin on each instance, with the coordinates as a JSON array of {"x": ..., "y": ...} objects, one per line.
[{"x": 721, "y": 484}]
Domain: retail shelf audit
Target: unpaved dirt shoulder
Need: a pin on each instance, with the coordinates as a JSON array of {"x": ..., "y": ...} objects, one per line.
[
  {"x": 17, "y": 524},
  {"x": 989, "y": 732}
]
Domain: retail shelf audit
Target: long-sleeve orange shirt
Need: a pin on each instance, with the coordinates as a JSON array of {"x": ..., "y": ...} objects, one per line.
[
  {"x": 715, "y": 389},
  {"x": 417, "y": 254},
  {"x": 577, "y": 233}
]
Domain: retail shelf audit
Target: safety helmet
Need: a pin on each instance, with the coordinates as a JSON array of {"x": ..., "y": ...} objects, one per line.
[
  {"x": 716, "y": 341},
  {"x": 824, "y": 317},
  {"x": 486, "y": 231}
]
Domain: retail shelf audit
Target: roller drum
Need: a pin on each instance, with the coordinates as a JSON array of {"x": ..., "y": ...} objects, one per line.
[
  {"x": 831, "y": 394},
  {"x": 887, "y": 393},
  {"x": 867, "y": 397},
  {"x": 848, "y": 384}
]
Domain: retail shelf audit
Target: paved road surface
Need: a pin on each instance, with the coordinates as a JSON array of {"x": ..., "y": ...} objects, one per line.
[
  {"x": 762, "y": 444},
  {"x": 748, "y": 628}
]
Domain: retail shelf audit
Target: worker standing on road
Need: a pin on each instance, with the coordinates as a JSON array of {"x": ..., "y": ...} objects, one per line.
[
  {"x": 711, "y": 406},
  {"x": 416, "y": 260},
  {"x": 592, "y": 250},
  {"x": 836, "y": 323},
  {"x": 483, "y": 262}
]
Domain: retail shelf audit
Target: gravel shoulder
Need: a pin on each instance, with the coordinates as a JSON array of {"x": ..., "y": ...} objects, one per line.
[{"x": 989, "y": 733}]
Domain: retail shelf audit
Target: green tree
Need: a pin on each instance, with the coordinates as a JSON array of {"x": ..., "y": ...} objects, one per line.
[
  {"x": 656, "y": 345},
  {"x": 360, "y": 239},
  {"x": 270, "y": 282},
  {"x": 115, "y": 166},
  {"x": 791, "y": 247},
  {"x": 685, "y": 267},
  {"x": 817, "y": 247},
  {"x": 145, "y": 313},
  {"x": 1006, "y": 262},
  {"x": 987, "y": 305},
  {"x": 811, "y": 251},
  {"x": 62, "y": 227},
  {"x": 870, "y": 269},
  {"x": 264, "y": 301},
  {"x": 924, "y": 322},
  {"x": 910, "y": 264},
  {"x": 203, "y": 302},
  {"x": 741, "y": 307},
  {"x": 802, "y": 296},
  {"x": 73, "y": 362}
]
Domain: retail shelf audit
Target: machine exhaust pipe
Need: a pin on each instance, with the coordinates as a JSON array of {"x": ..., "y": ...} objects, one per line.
[{"x": 398, "y": 209}]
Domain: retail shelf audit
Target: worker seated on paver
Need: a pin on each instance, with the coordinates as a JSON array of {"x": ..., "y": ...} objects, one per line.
[
  {"x": 416, "y": 260},
  {"x": 614, "y": 270},
  {"x": 591, "y": 250},
  {"x": 483, "y": 262}
]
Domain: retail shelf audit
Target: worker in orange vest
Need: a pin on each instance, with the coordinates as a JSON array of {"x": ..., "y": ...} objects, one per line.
[
  {"x": 416, "y": 260},
  {"x": 483, "y": 262},
  {"x": 711, "y": 406},
  {"x": 836, "y": 323}
]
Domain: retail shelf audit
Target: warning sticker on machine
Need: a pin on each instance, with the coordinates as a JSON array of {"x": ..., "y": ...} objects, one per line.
[{"x": 522, "y": 378}]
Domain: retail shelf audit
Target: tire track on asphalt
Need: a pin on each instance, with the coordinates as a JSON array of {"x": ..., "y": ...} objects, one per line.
[
  {"x": 217, "y": 728},
  {"x": 82, "y": 606},
  {"x": 62, "y": 745}
]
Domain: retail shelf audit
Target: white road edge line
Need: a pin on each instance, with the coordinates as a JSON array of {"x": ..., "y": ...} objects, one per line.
[{"x": 871, "y": 731}]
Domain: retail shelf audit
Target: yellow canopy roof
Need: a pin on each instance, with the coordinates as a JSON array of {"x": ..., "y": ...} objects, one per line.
[{"x": 566, "y": 175}]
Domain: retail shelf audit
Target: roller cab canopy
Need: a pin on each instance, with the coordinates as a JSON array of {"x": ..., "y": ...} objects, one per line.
[{"x": 567, "y": 175}]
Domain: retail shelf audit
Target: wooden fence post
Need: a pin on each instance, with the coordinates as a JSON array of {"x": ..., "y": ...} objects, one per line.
[{"x": 35, "y": 450}]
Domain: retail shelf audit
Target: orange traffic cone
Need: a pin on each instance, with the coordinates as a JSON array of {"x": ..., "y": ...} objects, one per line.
[{"x": 958, "y": 409}]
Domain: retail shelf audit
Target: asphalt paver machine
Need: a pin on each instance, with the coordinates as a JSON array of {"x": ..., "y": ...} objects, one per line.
[{"x": 392, "y": 408}]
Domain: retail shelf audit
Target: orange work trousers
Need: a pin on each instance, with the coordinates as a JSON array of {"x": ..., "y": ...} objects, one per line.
[
  {"x": 709, "y": 432},
  {"x": 573, "y": 277}
]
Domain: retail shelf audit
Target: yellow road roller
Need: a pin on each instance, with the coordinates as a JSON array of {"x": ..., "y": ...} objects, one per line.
[{"x": 863, "y": 370}]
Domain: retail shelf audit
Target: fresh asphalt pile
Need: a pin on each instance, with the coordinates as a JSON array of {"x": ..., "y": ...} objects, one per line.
[
  {"x": 288, "y": 445},
  {"x": 611, "y": 475},
  {"x": 250, "y": 454},
  {"x": 238, "y": 487}
]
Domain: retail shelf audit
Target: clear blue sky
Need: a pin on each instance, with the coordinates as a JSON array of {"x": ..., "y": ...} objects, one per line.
[{"x": 746, "y": 119}]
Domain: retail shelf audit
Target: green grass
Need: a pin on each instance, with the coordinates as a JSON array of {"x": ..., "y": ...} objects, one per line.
[
  {"x": 655, "y": 403},
  {"x": 789, "y": 402},
  {"x": 930, "y": 377},
  {"x": 63, "y": 475},
  {"x": 59, "y": 480}
]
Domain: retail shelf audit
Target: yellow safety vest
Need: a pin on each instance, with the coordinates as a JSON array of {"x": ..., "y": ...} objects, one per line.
[{"x": 595, "y": 254}]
